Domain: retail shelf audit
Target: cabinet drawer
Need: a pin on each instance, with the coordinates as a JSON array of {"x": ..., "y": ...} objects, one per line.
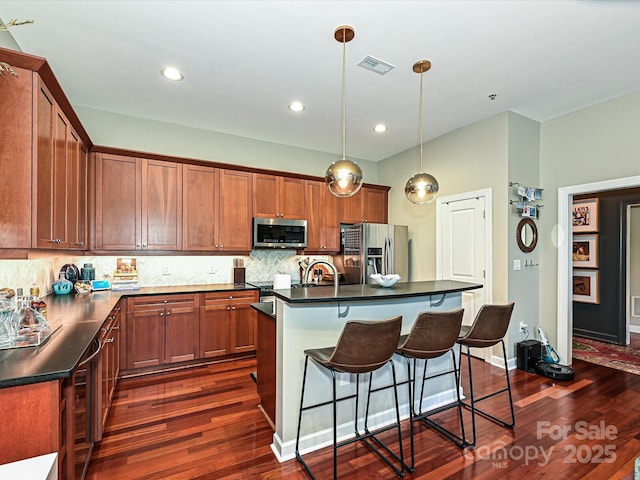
[
  {"x": 182, "y": 300},
  {"x": 247, "y": 296}
]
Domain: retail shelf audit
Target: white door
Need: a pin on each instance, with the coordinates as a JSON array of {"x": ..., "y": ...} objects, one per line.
[{"x": 464, "y": 248}]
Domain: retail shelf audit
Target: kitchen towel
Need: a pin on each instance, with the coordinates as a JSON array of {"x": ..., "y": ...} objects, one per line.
[{"x": 281, "y": 281}]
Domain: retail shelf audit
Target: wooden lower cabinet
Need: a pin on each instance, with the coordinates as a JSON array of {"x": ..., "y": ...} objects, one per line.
[
  {"x": 162, "y": 329},
  {"x": 108, "y": 369},
  {"x": 227, "y": 323},
  {"x": 33, "y": 422}
]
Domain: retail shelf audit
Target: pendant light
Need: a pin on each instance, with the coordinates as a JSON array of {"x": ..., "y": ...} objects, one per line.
[
  {"x": 422, "y": 187},
  {"x": 344, "y": 177}
]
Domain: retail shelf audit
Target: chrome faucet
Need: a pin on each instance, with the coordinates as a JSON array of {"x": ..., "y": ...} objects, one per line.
[{"x": 336, "y": 275}]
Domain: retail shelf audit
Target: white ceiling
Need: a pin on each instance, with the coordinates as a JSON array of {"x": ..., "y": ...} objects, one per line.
[{"x": 245, "y": 61}]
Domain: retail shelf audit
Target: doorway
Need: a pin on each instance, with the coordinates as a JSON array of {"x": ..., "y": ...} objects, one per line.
[{"x": 565, "y": 302}]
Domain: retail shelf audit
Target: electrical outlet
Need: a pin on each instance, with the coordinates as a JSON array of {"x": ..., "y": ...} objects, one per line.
[
  {"x": 166, "y": 271},
  {"x": 212, "y": 270},
  {"x": 516, "y": 264},
  {"x": 523, "y": 327}
]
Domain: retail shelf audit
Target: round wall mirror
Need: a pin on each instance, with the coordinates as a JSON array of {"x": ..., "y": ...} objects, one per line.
[{"x": 527, "y": 235}]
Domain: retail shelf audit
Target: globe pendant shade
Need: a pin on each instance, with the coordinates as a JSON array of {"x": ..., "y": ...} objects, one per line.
[
  {"x": 421, "y": 188},
  {"x": 344, "y": 178}
]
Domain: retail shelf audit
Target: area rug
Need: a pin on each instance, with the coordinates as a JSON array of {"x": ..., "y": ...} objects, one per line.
[{"x": 610, "y": 355}]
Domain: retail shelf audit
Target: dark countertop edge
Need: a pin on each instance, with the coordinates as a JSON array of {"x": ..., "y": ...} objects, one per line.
[
  {"x": 265, "y": 308},
  {"x": 90, "y": 327},
  {"x": 373, "y": 292}
]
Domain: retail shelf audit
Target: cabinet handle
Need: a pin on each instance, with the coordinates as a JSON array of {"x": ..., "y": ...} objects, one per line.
[
  {"x": 228, "y": 307},
  {"x": 165, "y": 301},
  {"x": 144, "y": 245},
  {"x": 162, "y": 314},
  {"x": 117, "y": 327},
  {"x": 221, "y": 246},
  {"x": 77, "y": 243},
  {"x": 110, "y": 340},
  {"x": 233, "y": 308},
  {"x": 137, "y": 245},
  {"x": 168, "y": 314}
]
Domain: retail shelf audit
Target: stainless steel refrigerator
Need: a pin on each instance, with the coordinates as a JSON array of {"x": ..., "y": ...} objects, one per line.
[{"x": 374, "y": 248}]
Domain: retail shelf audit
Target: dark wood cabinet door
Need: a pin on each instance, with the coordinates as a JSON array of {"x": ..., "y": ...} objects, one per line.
[
  {"x": 76, "y": 192},
  {"x": 181, "y": 332},
  {"x": 315, "y": 220},
  {"x": 243, "y": 328},
  {"x": 265, "y": 196},
  {"x": 200, "y": 207},
  {"x": 369, "y": 205},
  {"x": 323, "y": 224},
  {"x": 350, "y": 208},
  {"x": 215, "y": 325},
  {"x": 161, "y": 205},
  {"x": 291, "y": 198},
  {"x": 374, "y": 206},
  {"x": 278, "y": 197},
  {"x": 16, "y": 100},
  {"x": 235, "y": 211},
  {"x": 118, "y": 203},
  {"x": 50, "y": 173},
  {"x": 145, "y": 336}
]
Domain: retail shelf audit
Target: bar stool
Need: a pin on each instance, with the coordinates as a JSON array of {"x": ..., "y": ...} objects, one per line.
[
  {"x": 488, "y": 329},
  {"x": 433, "y": 335},
  {"x": 363, "y": 347}
]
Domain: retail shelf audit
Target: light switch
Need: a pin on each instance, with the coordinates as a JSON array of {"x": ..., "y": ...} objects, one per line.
[{"x": 516, "y": 264}]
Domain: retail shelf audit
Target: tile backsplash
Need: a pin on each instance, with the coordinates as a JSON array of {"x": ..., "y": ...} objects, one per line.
[{"x": 261, "y": 266}]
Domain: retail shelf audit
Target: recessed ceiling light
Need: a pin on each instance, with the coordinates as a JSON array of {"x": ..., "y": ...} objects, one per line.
[
  {"x": 172, "y": 73},
  {"x": 380, "y": 128},
  {"x": 296, "y": 107}
]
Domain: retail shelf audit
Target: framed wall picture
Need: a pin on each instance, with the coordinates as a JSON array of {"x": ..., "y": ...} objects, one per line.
[
  {"x": 586, "y": 287},
  {"x": 585, "y": 215},
  {"x": 585, "y": 251}
]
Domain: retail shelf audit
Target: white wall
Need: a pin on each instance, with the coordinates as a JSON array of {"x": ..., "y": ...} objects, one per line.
[
  {"x": 121, "y": 131},
  {"x": 591, "y": 145},
  {"x": 471, "y": 158}
]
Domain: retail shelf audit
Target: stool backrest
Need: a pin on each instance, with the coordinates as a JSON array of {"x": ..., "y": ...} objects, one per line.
[
  {"x": 489, "y": 327},
  {"x": 366, "y": 345},
  {"x": 432, "y": 334}
]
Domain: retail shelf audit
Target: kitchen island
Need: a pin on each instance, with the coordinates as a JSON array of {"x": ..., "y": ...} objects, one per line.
[{"x": 314, "y": 317}]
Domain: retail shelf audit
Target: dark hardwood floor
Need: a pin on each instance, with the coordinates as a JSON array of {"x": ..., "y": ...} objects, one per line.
[{"x": 204, "y": 424}]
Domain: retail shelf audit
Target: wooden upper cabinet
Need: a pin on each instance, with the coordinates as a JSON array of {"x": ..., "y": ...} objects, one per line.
[
  {"x": 200, "y": 207},
  {"x": 138, "y": 204},
  {"x": 60, "y": 179},
  {"x": 235, "y": 218},
  {"x": 369, "y": 205},
  {"x": 77, "y": 161},
  {"x": 161, "y": 227},
  {"x": 217, "y": 209},
  {"x": 323, "y": 225},
  {"x": 375, "y": 208},
  {"x": 16, "y": 101},
  {"x": 50, "y": 178},
  {"x": 275, "y": 196},
  {"x": 117, "y": 202}
]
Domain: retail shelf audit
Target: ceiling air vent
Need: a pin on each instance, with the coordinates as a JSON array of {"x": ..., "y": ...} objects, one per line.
[{"x": 375, "y": 65}]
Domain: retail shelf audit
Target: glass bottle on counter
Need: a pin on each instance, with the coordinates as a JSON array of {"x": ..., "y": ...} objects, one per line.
[{"x": 37, "y": 303}]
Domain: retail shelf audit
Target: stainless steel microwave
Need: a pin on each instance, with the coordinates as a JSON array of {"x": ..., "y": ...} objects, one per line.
[{"x": 279, "y": 233}]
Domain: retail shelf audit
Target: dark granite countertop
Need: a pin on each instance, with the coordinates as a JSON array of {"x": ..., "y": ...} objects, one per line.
[
  {"x": 76, "y": 320},
  {"x": 264, "y": 307},
  {"x": 372, "y": 292}
]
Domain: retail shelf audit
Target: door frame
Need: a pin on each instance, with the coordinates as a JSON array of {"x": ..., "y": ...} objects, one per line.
[
  {"x": 564, "y": 242},
  {"x": 487, "y": 193}
]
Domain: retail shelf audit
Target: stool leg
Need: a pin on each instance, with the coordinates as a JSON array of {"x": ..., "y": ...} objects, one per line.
[
  {"x": 473, "y": 402},
  {"x": 456, "y": 374},
  {"x": 298, "y": 455},
  {"x": 335, "y": 426},
  {"x": 506, "y": 373}
]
